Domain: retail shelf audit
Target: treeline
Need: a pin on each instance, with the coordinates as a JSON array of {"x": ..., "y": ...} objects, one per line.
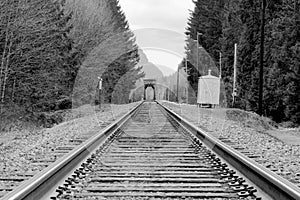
[
  {"x": 52, "y": 51},
  {"x": 221, "y": 24}
]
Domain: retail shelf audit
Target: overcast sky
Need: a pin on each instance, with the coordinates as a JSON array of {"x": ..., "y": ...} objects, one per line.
[{"x": 159, "y": 26}]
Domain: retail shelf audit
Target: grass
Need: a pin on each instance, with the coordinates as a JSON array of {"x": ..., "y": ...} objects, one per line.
[
  {"x": 250, "y": 119},
  {"x": 244, "y": 118},
  {"x": 15, "y": 118},
  {"x": 290, "y": 136}
]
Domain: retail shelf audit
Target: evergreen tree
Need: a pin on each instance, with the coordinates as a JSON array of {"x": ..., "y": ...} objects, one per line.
[
  {"x": 248, "y": 56},
  {"x": 241, "y": 21},
  {"x": 232, "y": 27},
  {"x": 121, "y": 74},
  {"x": 204, "y": 23},
  {"x": 104, "y": 46},
  {"x": 33, "y": 54},
  {"x": 283, "y": 77}
]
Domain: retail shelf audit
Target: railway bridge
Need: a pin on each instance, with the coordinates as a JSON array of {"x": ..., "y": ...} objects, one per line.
[{"x": 150, "y": 83}]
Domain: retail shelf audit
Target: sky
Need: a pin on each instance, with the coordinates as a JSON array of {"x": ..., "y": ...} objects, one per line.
[{"x": 159, "y": 27}]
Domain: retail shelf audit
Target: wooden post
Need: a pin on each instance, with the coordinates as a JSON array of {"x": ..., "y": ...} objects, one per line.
[{"x": 100, "y": 91}]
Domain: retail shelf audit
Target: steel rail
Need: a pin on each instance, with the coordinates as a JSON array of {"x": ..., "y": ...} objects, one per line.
[
  {"x": 272, "y": 184},
  {"x": 36, "y": 187}
]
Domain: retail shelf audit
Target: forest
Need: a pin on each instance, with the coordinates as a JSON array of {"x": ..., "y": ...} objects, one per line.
[
  {"x": 52, "y": 53},
  {"x": 221, "y": 24}
]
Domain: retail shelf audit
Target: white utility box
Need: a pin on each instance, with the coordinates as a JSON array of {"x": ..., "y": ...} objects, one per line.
[{"x": 209, "y": 90}]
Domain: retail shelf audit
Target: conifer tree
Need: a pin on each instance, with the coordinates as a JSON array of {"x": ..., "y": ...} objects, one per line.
[
  {"x": 241, "y": 21},
  {"x": 34, "y": 54},
  {"x": 204, "y": 23},
  {"x": 105, "y": 47},
  {"x": 231, "y": 29},
  {"x": 282, "y": 80},
  {"x": 248, "y": 56}
]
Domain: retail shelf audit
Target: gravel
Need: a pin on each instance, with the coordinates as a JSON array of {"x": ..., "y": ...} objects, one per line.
[{"x": 249, "y": 131}]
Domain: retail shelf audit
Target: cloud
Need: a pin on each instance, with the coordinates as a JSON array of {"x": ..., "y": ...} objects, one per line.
[
  {"x": 171, "y": 14},
  {"x": 159, "y": 24},
  {"x": 160, "y": 38}
]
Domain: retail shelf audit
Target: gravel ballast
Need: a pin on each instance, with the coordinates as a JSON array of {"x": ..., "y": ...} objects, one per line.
[
  {"x": 22, "y": 151},
  {"x": 248, "y": 133}
]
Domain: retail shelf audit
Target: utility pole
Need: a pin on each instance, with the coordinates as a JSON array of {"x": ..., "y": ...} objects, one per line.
[
  {"x": 234, "y": 93},
  {"x": 220, "y": 64},
  {"x": 198, "y": 90},
  {"x": 178, "y": 84},
  {"x": 198, "y": 51},
  {"x": 261, "y": 71},
  {"x": 187, "y": 82}
]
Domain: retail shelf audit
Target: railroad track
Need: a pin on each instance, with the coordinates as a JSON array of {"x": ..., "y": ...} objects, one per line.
[
  {"x": 152, "y": 153},
  {"x": 39, "y": 161}
]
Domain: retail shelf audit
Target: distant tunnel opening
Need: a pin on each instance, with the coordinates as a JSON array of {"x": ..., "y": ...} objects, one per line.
[
  {"x": 150, "y": 94},
  {"x": 149, "y": 89}
]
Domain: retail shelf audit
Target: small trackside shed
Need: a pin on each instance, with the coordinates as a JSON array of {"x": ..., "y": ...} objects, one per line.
[{"x": 209, "y": 90}]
